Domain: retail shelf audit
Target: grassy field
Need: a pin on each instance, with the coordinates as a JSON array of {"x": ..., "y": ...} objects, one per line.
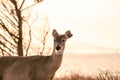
[
  {"x": 89, "y": 67},
  {"x": 107, "y": 75}
]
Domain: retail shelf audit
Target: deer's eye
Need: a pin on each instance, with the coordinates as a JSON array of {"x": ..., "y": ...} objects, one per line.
[
  {"x": 63, "y": 40},
  {"x": 54, "y": 40}
]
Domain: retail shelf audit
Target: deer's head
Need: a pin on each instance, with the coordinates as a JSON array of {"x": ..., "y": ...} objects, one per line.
[{"x": 59, "y": 40}]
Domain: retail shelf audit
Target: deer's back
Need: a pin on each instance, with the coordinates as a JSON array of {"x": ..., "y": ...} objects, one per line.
[
  {"x": 6, "y": 62},
  {"x": 30, "y": 68}
]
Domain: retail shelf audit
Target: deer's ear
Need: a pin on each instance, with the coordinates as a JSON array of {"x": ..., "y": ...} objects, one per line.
[
  {"x": 68, "y": 34},
  {"x": 54, "y": 33}
]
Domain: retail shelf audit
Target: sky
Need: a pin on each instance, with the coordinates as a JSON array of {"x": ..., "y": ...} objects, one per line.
[{"x": 93, "y": 23}]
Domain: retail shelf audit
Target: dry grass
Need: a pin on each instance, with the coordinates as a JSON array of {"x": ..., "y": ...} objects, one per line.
[{"x": 106, "y": 75}]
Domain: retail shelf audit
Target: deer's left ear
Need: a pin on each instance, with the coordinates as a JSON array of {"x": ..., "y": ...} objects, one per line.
[
  {"x": 54, "y": 33},
  {"x": 68, "y": 34}
]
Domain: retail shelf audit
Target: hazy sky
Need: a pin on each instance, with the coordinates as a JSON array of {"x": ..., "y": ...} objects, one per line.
[
  {"x": 91, "y": 21},
  {"x": 95, "y": 22}
]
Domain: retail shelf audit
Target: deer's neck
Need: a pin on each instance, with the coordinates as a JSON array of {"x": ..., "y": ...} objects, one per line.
[{"x": 56, "y": 59}]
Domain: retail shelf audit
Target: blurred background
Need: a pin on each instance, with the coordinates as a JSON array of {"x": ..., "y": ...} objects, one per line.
[{"x": 95, "y": 24}]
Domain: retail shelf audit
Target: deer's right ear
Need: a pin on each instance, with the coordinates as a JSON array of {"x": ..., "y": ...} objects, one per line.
[
  {"x": 54, "y": 33},
  {"x": 68, "y": 34}
]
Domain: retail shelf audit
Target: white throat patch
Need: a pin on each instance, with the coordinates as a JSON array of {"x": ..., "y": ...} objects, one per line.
[{"x": 58, "y": 52}]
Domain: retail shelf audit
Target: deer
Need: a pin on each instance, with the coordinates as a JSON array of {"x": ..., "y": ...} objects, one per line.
[
  {"x": 6, "y": 62},
  {"x": 37, "y": 67}
]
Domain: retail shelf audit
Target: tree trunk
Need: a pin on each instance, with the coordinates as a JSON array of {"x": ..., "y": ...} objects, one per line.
[
  {"x": 20, "y": 46},
  {"x": 20, "y": 42}
]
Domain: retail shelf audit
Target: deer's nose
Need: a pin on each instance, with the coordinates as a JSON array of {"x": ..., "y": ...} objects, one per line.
[{"x": 58, "y": 47}]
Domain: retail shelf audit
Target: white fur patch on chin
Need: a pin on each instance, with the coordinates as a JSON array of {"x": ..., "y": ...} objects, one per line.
[{"x": 58, "y": 52}]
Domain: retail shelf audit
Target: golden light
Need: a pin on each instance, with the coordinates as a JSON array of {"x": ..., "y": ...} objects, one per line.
[{"x": 91, "y": 21}]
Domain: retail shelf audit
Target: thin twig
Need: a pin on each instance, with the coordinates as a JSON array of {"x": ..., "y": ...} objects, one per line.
[
  {"x": 10, "y": 22},
  {"x": 8, "y": 41},
  {"x": 5, "y": 6},
  {"x": 28, "y": 7},
  {"x": 3, "y": 25},
  {"x": 30, "y": 38},
  {"x": 22, "y": 4},
  {"x": 6, "y": 46},
  {"x": 3, "y": 50},
  {"x": 37, "y": 1},
  {"x": 7, "y": 17}
]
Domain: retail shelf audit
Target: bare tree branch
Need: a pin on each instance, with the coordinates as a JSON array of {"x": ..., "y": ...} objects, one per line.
[
  {"x": 3, "y": 25},
  {"x": 5, "y": 6},
  {"x": 11, "y": 12},
  {"x": 45, "y": 35},
  {"x": 8, "y": 17},
  {"x": 6, "y": 46},
  {"x": 30, "y": 38},
  {"x": 29, "y": 6},
  {"x": 36, "y": 2},
  {"x": 10, "y": 21},
  {"x": 14, "y": 2},
  {"x": 22, "y": 4},
  {"x": 19, "y": 16},
  {"x": 3, "y": 50},
  {"x": 8, "y": 41},
  {"x": 43, "y": 41}
]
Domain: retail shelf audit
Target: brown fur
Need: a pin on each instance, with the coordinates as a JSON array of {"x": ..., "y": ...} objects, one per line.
[{"x": 35, "y": 67}]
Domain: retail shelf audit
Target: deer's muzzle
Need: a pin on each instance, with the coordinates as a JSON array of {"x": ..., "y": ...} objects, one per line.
[{"x": 58, "y": 47}]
